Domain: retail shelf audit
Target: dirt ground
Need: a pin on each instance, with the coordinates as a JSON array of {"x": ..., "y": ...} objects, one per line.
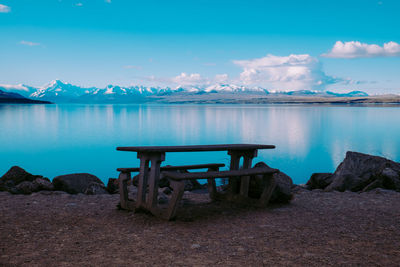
[{"x": 316, "y": 229}]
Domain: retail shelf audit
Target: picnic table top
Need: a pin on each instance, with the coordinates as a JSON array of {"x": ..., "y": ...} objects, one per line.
[{"x": 194, "y": 148}]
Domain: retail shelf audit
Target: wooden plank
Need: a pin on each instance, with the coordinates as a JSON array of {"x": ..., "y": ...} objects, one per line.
[
  {"x": 123, "y": 190},
  {"x": 234, "y": 165},
  {"x": 195, "y": 148},
  {"x": 245, "y": 180},
  {"x": 144, "y": 170},
  {"x": 219, "y": 174},
  {"x": 173, "y": 168},
  {"x": 154, "y": 176}
]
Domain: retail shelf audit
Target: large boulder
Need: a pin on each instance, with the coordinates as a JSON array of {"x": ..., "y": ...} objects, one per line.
[
  {"x": 282, "y": 192},
  {"x": 362, "y": 172},
  {"x": 78, "y": 183},
  {"x": 319, "y": 181}
]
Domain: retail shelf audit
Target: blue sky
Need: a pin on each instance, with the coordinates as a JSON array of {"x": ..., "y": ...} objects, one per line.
[{"x": 275, "y": 44}]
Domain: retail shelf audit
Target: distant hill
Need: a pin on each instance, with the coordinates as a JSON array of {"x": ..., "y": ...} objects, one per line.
[{"x": 14, "y": 98}]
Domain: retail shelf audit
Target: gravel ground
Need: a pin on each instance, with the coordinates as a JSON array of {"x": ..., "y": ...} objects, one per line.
[{"x": 316, "y": 229}]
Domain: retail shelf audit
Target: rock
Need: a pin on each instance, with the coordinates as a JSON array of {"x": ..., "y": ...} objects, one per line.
[
  {"x": 390, "y": 179},
  {"x": 191, "y": 185},
  {"x": 44, "y": 184},
  {"x": 76, "y": 183},
  {"x": 95, "y": 189},
  {"x": 14, "y": 176},
  {"x": 18, "y": 175},
  {"x": 27, "y": 187},
  {"x": 162, "y": 198},
  {"x": 282, "y": 192},
  {"x": 167, "y": 191},
  {"x": 18, "y": 181},
  {"x": 135, "y": 180},
  {"x": 7, "y": 185},
  {"x": 365, "y": 172},
  {"x": 112, "y": 186},
  {"x": 319, "y": 181}
]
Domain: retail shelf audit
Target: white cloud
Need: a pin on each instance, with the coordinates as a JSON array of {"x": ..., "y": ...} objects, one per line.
[
  {"x": 4, "y": 9},
  {"x": 10, "y": 87},
  {"x": 290, "y": 73},
  {"x": 355, "y": 49},
  {"x": 79, "y": 4},
  {"x": 189, "y": 79},
  {"x": 29, "y": 43}
]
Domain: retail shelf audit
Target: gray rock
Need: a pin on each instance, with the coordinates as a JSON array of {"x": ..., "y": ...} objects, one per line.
[
  {"x": 14, "y": 176},
  {"x": 27, "y": 187},
  {"x": 167, "y": 191},
  {"x": 112, "y": 186},
  {"x": 319, "y": 181},
  {"x": 44, "y": 184},
  {"x": 162, "y": 198},
  {"x": 283, "y": 191},
  {"x": 95, "y": 189},
  {"x": 390, "y": 179},
  {"x": 365, "y": 172},
  {"x": 75, "y": 183},
  {"x": 18, "y": 175},
  {"x": 191, "y": 185}
]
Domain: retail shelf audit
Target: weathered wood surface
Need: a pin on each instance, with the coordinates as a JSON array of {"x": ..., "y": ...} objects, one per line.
[
  {"x": 194, "y": 148},
  {"x": 218, "y": 174},
  {"x": 177, "y": 168}
]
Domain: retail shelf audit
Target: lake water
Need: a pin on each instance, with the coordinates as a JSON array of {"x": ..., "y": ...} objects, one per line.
[{"x": 58, "y": 139}]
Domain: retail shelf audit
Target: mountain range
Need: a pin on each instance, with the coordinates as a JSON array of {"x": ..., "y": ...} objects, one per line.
[{"x": 61, "y": 92}]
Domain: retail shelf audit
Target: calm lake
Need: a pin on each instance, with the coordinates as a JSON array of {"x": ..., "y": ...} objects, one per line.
[{"x": 59, "y": 139}]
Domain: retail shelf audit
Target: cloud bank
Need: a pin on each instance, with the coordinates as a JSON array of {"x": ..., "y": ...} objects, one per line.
[
  {"x": 355, "y": 49},
  {"x": 4, "y": 9},
  {"x": 288, "y": 73}
]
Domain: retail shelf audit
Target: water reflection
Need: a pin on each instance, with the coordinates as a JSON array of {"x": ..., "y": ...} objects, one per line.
[{"x": 57, "y": 139}]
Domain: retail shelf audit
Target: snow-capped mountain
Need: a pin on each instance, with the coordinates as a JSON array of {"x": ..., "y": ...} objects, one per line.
[{"x": 61, "y": 92}]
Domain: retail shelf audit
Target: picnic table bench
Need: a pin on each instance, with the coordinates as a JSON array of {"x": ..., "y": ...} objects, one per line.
[{"x": 150, "y": 171}]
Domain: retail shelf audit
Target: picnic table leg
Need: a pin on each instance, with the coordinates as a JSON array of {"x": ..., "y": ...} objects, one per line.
[
  {"x": 142, "y": 185},
  {"x": 234, "y": 165},
  {"x": 154, "y": 177},
  {"x": 245, "y": 180},
  {"x": 270, "y": 184},
  {"x": 178, "y": 188},
  {"x": 211, "y": 186},
  {"x": 123, "y": 189}
]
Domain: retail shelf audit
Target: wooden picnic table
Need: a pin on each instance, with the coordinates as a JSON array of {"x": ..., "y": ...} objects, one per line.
[{"x": 152, "y": 156}]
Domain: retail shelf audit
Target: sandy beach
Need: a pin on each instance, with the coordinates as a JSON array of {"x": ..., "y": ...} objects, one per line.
[{"x": 317, "y": 228}]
